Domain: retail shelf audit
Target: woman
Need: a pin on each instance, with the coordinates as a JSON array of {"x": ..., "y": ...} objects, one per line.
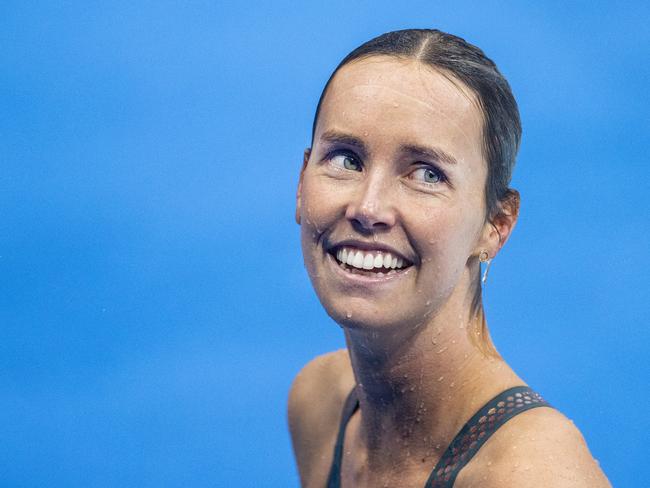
[{"x": 402, "y": 195}]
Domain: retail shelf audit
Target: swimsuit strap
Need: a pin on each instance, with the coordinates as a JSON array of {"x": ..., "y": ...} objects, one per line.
[
  {"x": 478, "y": 430},
  {"x": 350, "y": 406},
  {"x": 467, "y": 442}
]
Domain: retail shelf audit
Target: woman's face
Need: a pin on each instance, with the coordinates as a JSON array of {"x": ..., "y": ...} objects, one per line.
[{"x": 391, "y": 197}]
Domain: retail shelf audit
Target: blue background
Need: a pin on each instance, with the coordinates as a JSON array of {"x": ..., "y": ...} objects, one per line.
[{"x": 153, "y": 303}]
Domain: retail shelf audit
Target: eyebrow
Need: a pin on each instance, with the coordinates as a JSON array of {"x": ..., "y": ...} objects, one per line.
[
  {"x": 433, "y": 153},
  {"x": 336, "y": 137},
  {"x": 415, "y": 150}
]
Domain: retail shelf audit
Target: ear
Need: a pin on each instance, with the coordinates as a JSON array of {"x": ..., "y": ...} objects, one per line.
[
  {"x": 305, "y": 160},
  {"x": 498, "y": 229}
]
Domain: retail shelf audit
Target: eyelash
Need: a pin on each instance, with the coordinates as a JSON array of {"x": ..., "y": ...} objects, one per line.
[
  {"x": 421, "y": 166},
  {"x": 342, "y": 152},
  {"x": 437, "y": 172}
]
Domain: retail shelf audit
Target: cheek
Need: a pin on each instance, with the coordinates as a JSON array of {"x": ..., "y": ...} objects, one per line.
[
  {"x": 317, "y": 206},
  {"x": 450, "y": 237}
]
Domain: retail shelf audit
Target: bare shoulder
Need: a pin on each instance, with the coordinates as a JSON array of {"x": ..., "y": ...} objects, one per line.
[
  {"x": 540, "y": 447},
  {"x": 315, "y": 403}
]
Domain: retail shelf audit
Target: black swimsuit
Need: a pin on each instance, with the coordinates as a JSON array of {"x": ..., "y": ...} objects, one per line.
[{"x": 467, "y": 442}]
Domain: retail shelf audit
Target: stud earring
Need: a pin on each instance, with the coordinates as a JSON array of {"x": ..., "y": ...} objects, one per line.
[{"x": 484, "y": 257}]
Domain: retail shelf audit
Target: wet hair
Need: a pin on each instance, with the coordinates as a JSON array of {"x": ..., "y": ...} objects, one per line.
[{"x": 452, "y": 55}]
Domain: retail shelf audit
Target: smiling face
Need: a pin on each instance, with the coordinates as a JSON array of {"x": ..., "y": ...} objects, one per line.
[{"x": 391, "y": 198}]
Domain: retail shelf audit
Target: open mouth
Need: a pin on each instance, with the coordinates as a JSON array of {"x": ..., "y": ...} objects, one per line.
[{"x": 369, "y": 263}]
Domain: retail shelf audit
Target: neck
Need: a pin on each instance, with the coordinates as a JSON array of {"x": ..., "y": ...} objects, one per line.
[{"x": 416, "y": 391}]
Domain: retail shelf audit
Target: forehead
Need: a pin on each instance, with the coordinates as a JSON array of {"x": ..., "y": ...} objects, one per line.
[{"x": 391, "y": 99}]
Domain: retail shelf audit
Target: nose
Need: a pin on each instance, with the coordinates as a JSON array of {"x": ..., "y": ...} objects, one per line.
[{"x": 371, "y": 208}]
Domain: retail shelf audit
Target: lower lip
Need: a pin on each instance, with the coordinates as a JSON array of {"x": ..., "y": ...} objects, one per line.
[{"x": 365, "y": 278}]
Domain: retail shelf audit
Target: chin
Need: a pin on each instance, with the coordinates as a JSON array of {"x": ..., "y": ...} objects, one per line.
[{"x": 361, "y": 315}]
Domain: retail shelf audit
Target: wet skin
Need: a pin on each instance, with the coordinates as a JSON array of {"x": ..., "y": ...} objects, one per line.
[
  {"x": 396, "y": 161},
  {"x": 397, "y": 166}
]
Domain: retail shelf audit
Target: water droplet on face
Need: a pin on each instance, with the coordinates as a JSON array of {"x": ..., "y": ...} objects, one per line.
[
  {"x": 441, "y": 378},
  {"x": 348, "y": 315}
]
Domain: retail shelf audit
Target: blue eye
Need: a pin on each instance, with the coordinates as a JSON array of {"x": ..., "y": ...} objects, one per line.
[
  {"x": 346, "y": 161},
  {"x": 428, "y": 175}
]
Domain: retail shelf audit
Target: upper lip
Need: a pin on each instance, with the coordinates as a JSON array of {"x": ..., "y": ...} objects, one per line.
[{"x": 368, "y": 246}]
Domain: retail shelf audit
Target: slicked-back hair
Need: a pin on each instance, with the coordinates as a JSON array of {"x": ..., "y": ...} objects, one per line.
[{"x": 452, "y": 55}]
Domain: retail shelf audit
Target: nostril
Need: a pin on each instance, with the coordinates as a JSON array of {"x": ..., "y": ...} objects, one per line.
[
  {"x": 371, "y": 213},
  {"x": 361, "y": 225}
]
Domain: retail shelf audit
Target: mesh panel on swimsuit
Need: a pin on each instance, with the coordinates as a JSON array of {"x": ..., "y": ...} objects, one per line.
[{"x": 467, "y": 442}]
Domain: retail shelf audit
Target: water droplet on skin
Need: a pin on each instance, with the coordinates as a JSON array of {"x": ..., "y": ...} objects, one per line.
[
  {"x": 441, "y": 378},
  {"x": 348, "y": 315},
  {"x": 441, "y": 350},
  {"x": 452, "y": 384}
]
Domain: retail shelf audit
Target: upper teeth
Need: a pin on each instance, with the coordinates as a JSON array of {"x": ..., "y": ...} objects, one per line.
[{"x": 368, "y": 259}]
